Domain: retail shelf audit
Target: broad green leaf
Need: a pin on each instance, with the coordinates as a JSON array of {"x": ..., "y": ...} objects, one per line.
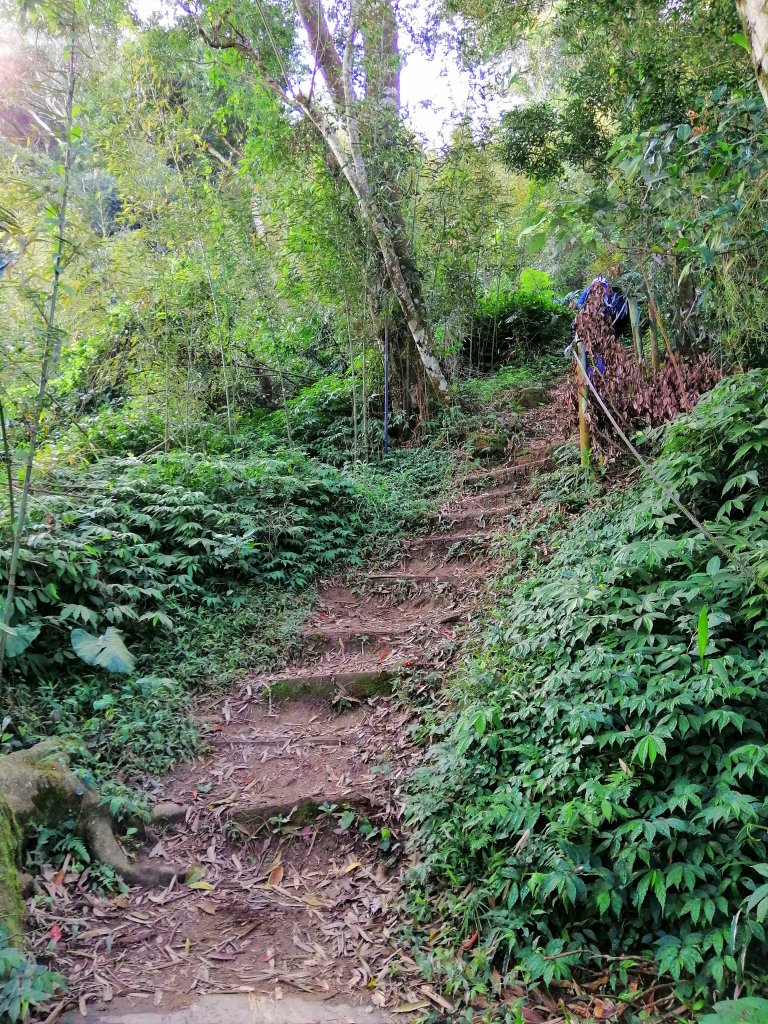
[
  {"x": 18, "y": 638},
  {"x": 751, "y": 1010},
  {"x": 106, "y": 651}
]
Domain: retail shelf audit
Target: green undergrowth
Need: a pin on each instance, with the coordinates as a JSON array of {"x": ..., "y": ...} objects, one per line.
[
  {"x": 202, "y": 568},
  {"x": 596, "y": 789}
]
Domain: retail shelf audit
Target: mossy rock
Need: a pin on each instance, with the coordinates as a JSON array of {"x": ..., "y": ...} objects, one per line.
[
  {"x": 328, "y": 686},
  {"x": 531, "y": 398},
  {"x": 487, "y": 444},
  {"x": 11, "y": 903}
]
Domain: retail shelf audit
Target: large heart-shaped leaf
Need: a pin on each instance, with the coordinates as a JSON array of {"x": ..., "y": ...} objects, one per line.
[
  {"x": 106, "y": 651},
  {"x": 18, "y": 638}
]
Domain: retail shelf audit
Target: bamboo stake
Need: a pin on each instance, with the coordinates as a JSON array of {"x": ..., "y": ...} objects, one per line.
[
  {"x": 634, "y": 319},
  {"x": 585, "y": 443}
]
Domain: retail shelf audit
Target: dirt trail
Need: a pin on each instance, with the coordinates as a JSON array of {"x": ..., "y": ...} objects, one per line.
[{"x": 287, "y": 894}]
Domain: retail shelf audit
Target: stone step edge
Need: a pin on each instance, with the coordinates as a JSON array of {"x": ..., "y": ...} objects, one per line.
[
  {"x": 301, "y": 810},
  {"x": 359, "y": 684}
]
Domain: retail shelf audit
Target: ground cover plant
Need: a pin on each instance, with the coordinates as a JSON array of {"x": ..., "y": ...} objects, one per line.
[
  {"x": 152, "y": 555},
  {"x": 218, "y": 310},
  {"x": 600, "y": 792}
]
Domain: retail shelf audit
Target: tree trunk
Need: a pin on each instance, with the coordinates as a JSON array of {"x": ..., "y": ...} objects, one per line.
[
  {"x": 383, "y": 95},
  {"x": 754, "y": 17},
  {"x": 37, "y": 787},
  {"x": 336, "y": 119}
]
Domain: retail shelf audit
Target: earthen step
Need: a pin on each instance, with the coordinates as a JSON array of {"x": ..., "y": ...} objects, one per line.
[
  {"x": 299, "y": 811},
  {"x": 360, "y": 630},
  {"x": 450, "y": 540},
  {"x": 516, "y": 469},
  {"x": 230, "y": 1007},
  {"x": 476, "y": 515},
  {"x": 329, "y": 684},
  {"x": 441, "y": 574}
]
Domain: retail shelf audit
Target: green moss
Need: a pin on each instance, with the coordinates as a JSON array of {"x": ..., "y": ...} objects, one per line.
[
  {"x": 360, "y": 685},
  {"x": 11, "y": 903},
  {"x": 487, "y": 444}
]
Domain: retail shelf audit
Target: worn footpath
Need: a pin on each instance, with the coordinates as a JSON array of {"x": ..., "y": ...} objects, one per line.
[{"x": 288, "y": 827}]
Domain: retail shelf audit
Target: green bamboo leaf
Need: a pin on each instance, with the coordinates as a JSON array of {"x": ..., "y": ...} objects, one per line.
[{"x": 703, "y": 631}]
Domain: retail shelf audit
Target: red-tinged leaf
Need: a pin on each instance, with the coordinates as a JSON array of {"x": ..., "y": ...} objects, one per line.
[
  {"x": 276, "y": 875},
  {"x": 531, "y": 1016}
]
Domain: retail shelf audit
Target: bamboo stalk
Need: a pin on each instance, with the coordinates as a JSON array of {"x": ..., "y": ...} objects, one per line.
[
  {"x": 8, "y": 463},
  {"x": 653, "y": 310},
  {"x": 51, "y": 352}
]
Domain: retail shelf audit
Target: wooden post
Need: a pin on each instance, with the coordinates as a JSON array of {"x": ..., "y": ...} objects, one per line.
[{"x": 584, "y": 439}]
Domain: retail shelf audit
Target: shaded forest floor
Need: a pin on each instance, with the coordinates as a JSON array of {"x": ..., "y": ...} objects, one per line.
[{"x": 292, "y": 830}]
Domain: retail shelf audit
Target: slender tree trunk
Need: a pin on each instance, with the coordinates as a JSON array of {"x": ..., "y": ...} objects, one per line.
[
  {"x": 754, "y": 18},
  {"x": 51, "y": 352},
  {"x": 222, "y": 354},
  {"x": 8, "y": 463}
]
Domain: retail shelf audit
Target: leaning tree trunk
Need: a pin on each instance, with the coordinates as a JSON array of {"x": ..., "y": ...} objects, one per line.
[
  {"x": 754, "y": 17},
  {"x": 335, "y": 117},
  {"x": 382, "y": 217},
  {"x": 37, "y": 787}
]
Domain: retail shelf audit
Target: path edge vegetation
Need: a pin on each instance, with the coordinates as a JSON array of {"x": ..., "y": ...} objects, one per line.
[{"x": 143, "y": 536}]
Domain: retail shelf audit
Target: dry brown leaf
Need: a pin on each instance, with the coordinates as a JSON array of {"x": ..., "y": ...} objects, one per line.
[
  {"x": 436, "y": 998},
  {"x": 276, "y": 875},
  {"x": 604, "y": 1009}
]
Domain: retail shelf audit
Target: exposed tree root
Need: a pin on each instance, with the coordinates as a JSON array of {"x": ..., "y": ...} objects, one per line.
[{"x": 38, "y": 787}]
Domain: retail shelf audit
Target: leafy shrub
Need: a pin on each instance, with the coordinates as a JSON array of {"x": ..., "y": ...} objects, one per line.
[
  {"x": 24, "y": 984},
  {"x": 183, "y": 529},
  {"x": 602, "y": 786},
  {"x": 320, "y": 419},
  {"x": 509, "y": 324}
]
